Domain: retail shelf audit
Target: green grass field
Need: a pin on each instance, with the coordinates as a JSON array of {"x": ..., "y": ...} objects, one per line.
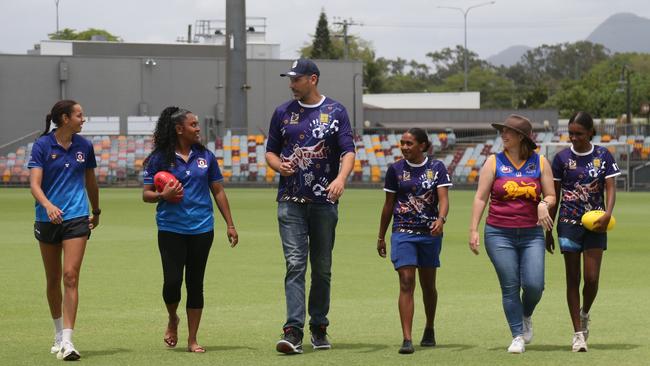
[{"x": 122, "y": 318}]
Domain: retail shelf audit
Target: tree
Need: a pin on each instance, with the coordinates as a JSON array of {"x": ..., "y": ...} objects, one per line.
[
  {"x": 72, "y": 35},
  {"x": 321, "y": 47},
  {"x": 496, "y": 90},
  {"x": 450, "y": 61}
]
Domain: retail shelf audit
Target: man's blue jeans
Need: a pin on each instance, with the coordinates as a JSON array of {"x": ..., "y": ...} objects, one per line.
[
  {"x": 518, "y": 257},
  {"x": 307, "y": 230}
]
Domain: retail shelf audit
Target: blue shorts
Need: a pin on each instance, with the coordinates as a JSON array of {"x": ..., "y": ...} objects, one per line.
[
  {"x": 419, "y": 250},
  {"x": 575, "y": 238}
]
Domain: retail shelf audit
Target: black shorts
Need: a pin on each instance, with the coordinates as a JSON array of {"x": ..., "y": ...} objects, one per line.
[
  {"x": 48, "y": 232},
  {"x": 575, "y": 238}
]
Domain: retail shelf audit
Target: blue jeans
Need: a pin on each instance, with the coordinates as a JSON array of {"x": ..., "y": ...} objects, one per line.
[
  {"x": 307, "y": 229},
  {"x": 518, "y": 257}
]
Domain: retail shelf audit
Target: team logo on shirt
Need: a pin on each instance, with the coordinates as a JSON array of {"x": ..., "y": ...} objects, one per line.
[
  {"x": 572, "y": 164},
  {"x": 201, "y": 163},
  {"x": 80, "y": 157},
  {"x": 53, "y": 156},
  {"x": 506, "y": 169},
  {"x": 516, "y": 190},
  {"x": 324, "y": 118},
  {"x": 406, "y": 175},
  {"x": 295, "y": 117},
  {"x": 596, "y": 163}
]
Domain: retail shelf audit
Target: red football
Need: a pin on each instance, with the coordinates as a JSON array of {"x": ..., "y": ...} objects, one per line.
[{"x": 161, "y": 179}]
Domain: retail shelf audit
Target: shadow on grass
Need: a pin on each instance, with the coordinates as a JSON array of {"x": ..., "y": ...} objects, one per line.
[
  {"x": 451, "y": 346},
  {"x": 592, "y": 346},
  {"x": 220, "y": 348},
  {"x": 104, "y": 352},
  {"x": 360, "y": 347},
  {"x": 567, "y": 347}
]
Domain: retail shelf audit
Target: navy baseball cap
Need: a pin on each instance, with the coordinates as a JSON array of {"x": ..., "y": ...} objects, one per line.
[{"x": 302, "y": 66}]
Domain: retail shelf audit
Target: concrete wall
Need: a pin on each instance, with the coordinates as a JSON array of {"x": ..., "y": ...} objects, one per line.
[{"x": 116, "y": 86}]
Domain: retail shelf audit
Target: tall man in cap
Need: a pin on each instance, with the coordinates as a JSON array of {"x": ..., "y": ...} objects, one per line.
[{"x": 311, "y": 145}]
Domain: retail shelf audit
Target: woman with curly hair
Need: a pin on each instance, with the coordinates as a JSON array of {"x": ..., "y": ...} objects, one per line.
[{"x": 184, "y": 214}]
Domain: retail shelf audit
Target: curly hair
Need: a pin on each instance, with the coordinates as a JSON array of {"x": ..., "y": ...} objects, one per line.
[
  {"x": 165, "y": 137},
  {"x": 62, "y": 107}
]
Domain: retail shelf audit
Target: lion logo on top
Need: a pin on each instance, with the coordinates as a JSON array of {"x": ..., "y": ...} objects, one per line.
[{"x": 515, "y": 190}]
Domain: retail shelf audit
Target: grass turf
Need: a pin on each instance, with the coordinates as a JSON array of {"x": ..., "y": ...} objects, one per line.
[{"x": 121, "y": 316}]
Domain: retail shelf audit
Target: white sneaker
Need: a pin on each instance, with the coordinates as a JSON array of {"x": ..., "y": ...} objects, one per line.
[
  {"x": 584, "y": 324},
  {"x": 56, "y": 346},
  {"x": 528, "y": 329},
  {"x": 68, "y": 352},
  {"x": 517, "y": 345},
  {"x": 579, "y": 343}
]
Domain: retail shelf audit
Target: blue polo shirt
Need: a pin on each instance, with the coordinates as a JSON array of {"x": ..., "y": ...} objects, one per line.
[
  {"x": 313, "y": 137},
  {"x": 194, "y": 214},
  {"x": 63, "y": 174}
]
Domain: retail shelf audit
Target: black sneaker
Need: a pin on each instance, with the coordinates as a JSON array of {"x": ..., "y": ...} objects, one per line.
[
  {"x": 407, "y": 347},
  {"x": 319, "y": 337},
  {"x": 428, "y": 338},
  {"x": 291, "y": 342}
]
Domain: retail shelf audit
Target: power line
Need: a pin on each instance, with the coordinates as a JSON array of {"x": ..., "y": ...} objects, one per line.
[{"x": 345, "y": 23}]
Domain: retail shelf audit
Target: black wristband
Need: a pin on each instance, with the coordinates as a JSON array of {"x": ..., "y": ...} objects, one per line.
[{"x": 97, "y": 212}]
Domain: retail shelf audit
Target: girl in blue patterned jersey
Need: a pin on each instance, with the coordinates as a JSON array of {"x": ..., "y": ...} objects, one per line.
[
  {"x": 185, "y": 228},
  {"x": 417, "y": 200},
  {"x": 584, "y": 172},
  {"x": 62, "y": 180}
]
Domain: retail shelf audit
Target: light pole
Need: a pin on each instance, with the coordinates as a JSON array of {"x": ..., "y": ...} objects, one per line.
[
  {"x": 625, "y": 80},
  {"x": 464, "y": 12},
  {"x": 56, "y": 2}
]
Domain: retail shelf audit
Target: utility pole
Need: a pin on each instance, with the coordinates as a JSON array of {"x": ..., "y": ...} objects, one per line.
[{"x": 345, "y": 23}]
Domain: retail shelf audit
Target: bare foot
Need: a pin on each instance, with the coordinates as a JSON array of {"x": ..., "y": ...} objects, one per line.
[
  {"x": 195, "y": 348},
  {"x": 171, "y": 334}
]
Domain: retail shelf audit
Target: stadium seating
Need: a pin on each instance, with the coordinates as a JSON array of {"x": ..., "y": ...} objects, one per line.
[{"x": 120, "y": 158}]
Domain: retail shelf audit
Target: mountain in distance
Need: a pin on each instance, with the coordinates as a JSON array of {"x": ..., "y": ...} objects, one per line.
[
  {"x": 622, "y": 32},
  {"x": 509, "y": 56}
]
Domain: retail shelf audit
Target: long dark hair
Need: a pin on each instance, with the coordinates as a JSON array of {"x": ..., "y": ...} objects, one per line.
[
  {"x": 421, "y": 137},
  {"x": 56, "y": 114},
  {"x": 584, "y": 119},
  {"x": 165, "y": 137}
]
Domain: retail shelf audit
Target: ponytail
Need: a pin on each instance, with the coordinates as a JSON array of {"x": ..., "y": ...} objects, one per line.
[
  {"x": 58, "y": 110},
  {"x": 48, "y": 123}
]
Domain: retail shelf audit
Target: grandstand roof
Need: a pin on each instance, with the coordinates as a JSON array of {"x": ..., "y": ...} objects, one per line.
[{"x": 460, "y": 100}]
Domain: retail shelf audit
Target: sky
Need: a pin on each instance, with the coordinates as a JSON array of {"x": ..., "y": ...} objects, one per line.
[{"x": 400, "y": 28}]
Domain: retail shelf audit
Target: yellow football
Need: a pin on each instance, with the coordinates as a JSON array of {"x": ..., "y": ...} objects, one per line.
[{"x": 590, "y": 217}]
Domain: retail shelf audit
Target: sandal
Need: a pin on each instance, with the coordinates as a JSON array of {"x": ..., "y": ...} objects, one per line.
[
  {"x": 197, "y": 349},
  {"x": 171, "y": 334}
]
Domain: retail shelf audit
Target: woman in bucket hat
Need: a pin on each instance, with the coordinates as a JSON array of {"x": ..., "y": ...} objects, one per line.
[{"x": 519, "y": 184}]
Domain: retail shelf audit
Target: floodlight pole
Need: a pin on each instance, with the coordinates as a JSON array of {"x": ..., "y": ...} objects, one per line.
[
  {"x": 56, "y": 2},
  {"x": 465, "y": 12}
]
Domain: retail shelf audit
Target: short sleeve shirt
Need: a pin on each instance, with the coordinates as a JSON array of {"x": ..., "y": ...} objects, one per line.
[
  {"x": 313, "y": 138},
  {"x": 194, "y": 214},
  {"x": 582, "y": 179},
  {"x": 63, "y": 174},
  {"x": 415, "y": 186}
]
